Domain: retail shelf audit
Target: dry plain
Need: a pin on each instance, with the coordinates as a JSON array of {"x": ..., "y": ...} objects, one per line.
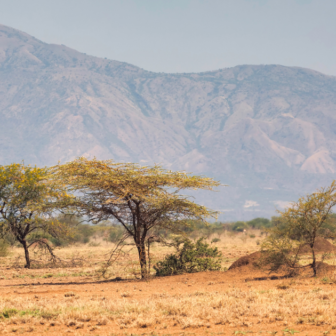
[{"x": 72, "y": 299}]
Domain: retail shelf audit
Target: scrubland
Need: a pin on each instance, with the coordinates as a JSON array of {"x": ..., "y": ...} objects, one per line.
[{"x": 71, "y": 298}]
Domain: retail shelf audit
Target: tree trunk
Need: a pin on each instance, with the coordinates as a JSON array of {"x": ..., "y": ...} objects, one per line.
[
  {"x": 314, "y": 266},
  {"x": 24, "y": 243},
  {"x": 142, "y": 258},
  {"x": 149, "y": 260}
]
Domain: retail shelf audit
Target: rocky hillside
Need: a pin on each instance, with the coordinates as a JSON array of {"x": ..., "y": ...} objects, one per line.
[{"x": 268, "y": 131}]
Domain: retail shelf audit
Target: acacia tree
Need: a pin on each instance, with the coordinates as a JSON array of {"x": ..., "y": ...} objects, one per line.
[
  {"x": 139, "y": 198},
  {"x": 27, "y": 201},
  {"x": 298, "y": 227}
]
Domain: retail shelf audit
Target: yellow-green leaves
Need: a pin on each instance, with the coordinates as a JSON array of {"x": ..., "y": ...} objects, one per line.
[
  {"x": 300, "y": 225},
  {"x": 139, "y": 198},
  {"x": 111, "y": 183},
  {"x": 28, "y": 199},
  {"x": 309, "y": 214},
  {"x": 28, "y": 188}
]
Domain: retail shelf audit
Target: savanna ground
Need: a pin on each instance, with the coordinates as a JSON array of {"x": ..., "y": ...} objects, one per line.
[{"x": 72, "y": 300}]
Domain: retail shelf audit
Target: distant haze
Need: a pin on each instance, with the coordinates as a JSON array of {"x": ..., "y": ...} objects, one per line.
[
  {"x": 186, "y": 35},
  {"x": 268, "y": 131}
]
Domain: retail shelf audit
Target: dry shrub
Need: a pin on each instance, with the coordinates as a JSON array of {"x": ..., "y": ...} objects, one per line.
[
  {"x": 70, "y": 323},
  {"x": 53, "y": 324},
  {"x": 84, "y": 318},
  {"x": 191, "y": 322},
  {"x": 80, "y": 326},
  {"x": 144, "y": 322},
  {"x": 282, "y": 286},
  {"x": 102, "y": 321}
]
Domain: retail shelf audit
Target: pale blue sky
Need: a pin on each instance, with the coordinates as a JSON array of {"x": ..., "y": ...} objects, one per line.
[{"x": 185, "y": 35}]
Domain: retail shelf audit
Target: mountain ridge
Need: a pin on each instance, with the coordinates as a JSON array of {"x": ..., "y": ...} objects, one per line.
[{"x": 269, "y": 131}]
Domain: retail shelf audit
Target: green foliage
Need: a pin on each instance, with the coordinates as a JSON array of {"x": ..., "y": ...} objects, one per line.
[
  {"x": 115, "y": 234},
  {"x": 58, "y": 242},
  {"x": 276, "y": 253},
  {"x": 4, "y": 246},
  {"x": 330, "y": 227},
  {"x": 215, "y": 240},
  {"x": 192, "y": 257},
  {"x": 194, "y": 229},
  {"x": 290, "y": 331},
  {"x": 9, "y": 312},
  {"x": 49, "y": 275},
  {"x": 83, "y": 233},
  {"x": 325, "y": 280},
  {"x": 240, "y": 226},
  {"x": 259, "y": 223},
  {"x": 37, "y": 235}
]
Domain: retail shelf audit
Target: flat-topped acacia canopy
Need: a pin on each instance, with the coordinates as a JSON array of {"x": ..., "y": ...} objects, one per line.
[{"x": 138, "y": 197}]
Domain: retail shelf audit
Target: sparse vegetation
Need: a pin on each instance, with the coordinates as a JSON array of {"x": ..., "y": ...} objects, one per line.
[
  {"x": 180, "y": 246},
  {"x": 198, "y": 309},
  {"x": 183, "y": 302}
]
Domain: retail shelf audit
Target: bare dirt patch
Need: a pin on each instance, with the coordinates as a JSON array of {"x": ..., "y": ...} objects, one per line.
[{"x": 73, "y": 301}]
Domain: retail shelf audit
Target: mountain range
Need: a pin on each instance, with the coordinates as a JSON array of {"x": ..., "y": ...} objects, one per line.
[{"x": 266, "y": 131}]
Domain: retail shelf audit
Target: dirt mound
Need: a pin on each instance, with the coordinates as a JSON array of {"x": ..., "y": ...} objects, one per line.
[
  {"x": 324, "y": 268},
  {"x": 321, "y": 245},
  {"x": 247, "y": 260}
]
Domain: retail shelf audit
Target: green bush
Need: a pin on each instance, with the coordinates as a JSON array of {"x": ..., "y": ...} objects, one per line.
[
  {"x": 239, "y": 226},
  {"x": 58, "y": 242},
  {"x": 193, "y": 257},
  {"x": 215, "y": 240},
  {"x": 198, "y": 228},
  {"x": 84, "y": 232},
  {"x": 259, "y": 223},
  {"x": 116, "y": 232}
]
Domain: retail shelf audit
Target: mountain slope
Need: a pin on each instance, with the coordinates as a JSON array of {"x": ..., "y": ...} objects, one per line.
[{"x": 267, "y": 131}]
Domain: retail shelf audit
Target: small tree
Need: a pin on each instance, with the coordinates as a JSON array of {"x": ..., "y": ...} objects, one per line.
[
  {"x": 139, "y": 198},
  {"x": 27, "y": 201},
  {"x": 299, "y": 226}
]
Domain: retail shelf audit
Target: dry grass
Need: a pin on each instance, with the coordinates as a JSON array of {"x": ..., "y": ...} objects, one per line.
[
  {"x": 160, "y": 305},
  {"x": 234, "y": 307}
]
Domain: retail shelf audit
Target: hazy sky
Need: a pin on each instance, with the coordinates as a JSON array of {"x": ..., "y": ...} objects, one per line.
[{"x": 185, "y": 35}]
